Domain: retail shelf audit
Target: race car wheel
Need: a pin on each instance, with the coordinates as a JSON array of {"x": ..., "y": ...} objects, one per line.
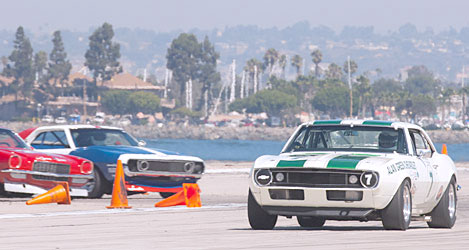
[
  {"x": 258, "y": 218},
  {"x": 96, "y": 185},
  {"x": 166, "y": 194},
  {"x": 310, "y": 221},
  {"x": 444, "y": 214},
  {"x": 397, "y": 215}
]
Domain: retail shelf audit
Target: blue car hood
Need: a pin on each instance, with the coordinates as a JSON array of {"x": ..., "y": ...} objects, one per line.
[{"x": 110, "y": 154}]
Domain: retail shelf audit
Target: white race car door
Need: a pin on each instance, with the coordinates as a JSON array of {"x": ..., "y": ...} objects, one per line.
[
  {"x": 425, "y": 166},
  {"x": 52, "y": 142}
]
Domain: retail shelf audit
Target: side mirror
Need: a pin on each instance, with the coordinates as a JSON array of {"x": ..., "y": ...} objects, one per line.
[
  {"x": 424, "y": 153},
  {"x": 142, "y": 143}
]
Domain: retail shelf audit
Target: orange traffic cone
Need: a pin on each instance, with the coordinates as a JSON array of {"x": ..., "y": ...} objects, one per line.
[
  {"x": 59, "y": 194},
  {"x": 119, "y": 193},
  {"x": 190, "y": 196},
  {"x": 444, "y": 150}
]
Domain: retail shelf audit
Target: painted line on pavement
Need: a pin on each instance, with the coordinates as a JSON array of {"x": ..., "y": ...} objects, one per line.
[{"x": 120, "y": 211}]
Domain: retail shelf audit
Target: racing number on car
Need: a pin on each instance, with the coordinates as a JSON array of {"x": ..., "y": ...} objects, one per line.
[{"x": 368, "y": 179}]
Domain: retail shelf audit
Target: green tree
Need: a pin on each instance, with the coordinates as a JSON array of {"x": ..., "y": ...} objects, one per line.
[
  {"x": 297, "y": 63},
  {"x": 418, "y": 105},
  {"x": 271, "y": 101},
  {"x": 317, "y": 58},
  {"x": 59, "y": 67},
  {"x": 116, "y": 101},
  {"x": 40, "y": 65},
  {"x": 208, "y": 73},
  {"x": 21, "y": 67},
  {"x": 103, "y": 54},
  {"x": 145, "y": 102},
  {"x": 334, "y": 99},
  {"x": 421, "y": 81},
  {"x": 183, "y": 57}
]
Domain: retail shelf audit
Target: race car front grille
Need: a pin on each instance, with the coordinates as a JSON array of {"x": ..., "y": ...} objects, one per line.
[
  {"x": 49, "y": 178},
  {"x": 320, "y": 178},
  {"x": 50, "y": 167},
  {"x": 286, "y": 194},
  {"x": 165, "y": 166}
]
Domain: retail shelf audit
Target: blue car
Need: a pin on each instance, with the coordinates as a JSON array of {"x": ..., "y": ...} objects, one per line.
[{"x": 146, "y": 170}]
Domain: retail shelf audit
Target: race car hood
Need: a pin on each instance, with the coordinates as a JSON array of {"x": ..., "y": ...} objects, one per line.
[
  {"x": 111, "y": 153},
  {"x": 36, "y": 155},
  {"x": 336, "y": 160}
]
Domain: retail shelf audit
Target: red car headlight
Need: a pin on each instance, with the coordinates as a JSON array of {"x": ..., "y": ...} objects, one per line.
[
  {"x": 14, "y": 161},
  {"x": 86, "y": 167}
]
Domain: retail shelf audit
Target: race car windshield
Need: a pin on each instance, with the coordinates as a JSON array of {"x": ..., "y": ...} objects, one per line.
[
  {"x": 102, "y": 137},
  {"x": 347, "y": 138},
  {"x": 9, "y": 140}
]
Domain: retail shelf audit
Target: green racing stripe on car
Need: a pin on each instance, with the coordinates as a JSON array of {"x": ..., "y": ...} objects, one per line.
[
  {"x": 291, "y": 164},
  {"x": 346, "y": 161},
  {"x": 332, "y": 122},
  {"x": 379, "y": 123}
]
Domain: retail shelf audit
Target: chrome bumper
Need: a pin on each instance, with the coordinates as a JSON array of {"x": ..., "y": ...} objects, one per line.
[
  {"x": 159, "y": 174},
  {"x": 16, "y": 171}
]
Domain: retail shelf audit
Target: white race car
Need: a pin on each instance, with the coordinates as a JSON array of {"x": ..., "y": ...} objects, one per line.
[{"x": 355, "y": 170}]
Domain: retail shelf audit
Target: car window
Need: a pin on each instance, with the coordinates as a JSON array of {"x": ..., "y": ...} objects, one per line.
[
  {"x": 418, "y": 140},
  {"x": 51, "y": 139},
  {"x": 10, "y": 140},
  {"x": 349, "y": 138}
]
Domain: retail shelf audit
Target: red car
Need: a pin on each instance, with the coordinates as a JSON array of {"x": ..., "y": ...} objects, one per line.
[{"x": 23, "y": 170}]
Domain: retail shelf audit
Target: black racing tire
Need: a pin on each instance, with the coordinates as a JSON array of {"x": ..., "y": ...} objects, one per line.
[
  {"x": 398, "y": 213},
  {"x": 97, "y": 185},
  {"x": 166, "y": 194},
  {"x": 259, "y": 219},
  {"x": 444, "y": 214},
  {"x": 305, "y": 221}
]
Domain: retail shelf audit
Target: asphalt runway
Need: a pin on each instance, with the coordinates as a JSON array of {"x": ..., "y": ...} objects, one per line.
[{"x": 221, "y": 223}]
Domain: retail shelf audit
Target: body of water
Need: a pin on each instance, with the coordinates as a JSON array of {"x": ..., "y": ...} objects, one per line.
[{"x": 244, "y": 150}]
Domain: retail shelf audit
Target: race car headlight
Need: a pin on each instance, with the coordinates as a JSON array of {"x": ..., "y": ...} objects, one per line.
[
  {"x": 14, "y": 161},
  {"x": 143, "y": 166},
  {"x": 369, "y": 179},
  {"x": 189, "y": 167},
  {"x": 279, "y": 177},
  {"x": 352, "y": 179},
  {"x": 263, "y": 177}
]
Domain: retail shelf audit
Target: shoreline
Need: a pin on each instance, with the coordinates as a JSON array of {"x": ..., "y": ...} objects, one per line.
[{"x": 174, "y": 131}]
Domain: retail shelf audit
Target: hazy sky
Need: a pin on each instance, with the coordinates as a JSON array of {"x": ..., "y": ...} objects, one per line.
[{"x": 49, "y": 15}]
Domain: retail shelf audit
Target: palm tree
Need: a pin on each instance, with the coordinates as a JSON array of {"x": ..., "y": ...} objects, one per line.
[
  {"x": 334, "y": 71},
  {"x": 463, "y": 92},
  {"x": 252, "y": 67},
  {"x": 282, "y": 62},
  {"x": 353, "y": 67},
  {"x": 364, "y": 93},
  {"x": 445, "y": 99},
  {"x": 271, "y": 57},
  {"x": 297, "y": 63},
  {"x": 317, "y": 58}
]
